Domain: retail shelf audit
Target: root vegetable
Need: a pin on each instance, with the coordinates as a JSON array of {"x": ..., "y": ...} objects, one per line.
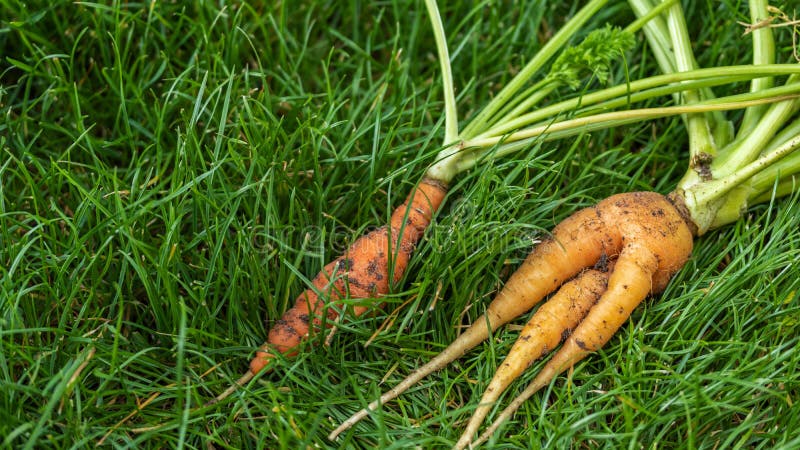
[
  {"x": 551, "y": 323},
  {"x": 654, "y": 242},
  {"x": 362, "y": 272}
]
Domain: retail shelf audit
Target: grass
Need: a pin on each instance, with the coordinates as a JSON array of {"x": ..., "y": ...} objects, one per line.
[{"x": 173, "y": 173}]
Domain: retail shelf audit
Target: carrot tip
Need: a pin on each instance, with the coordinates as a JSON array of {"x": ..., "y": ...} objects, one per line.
[{"x": 232, "y": 388}]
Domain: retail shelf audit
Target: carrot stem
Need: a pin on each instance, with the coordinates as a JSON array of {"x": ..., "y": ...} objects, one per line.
[
  {"x": 763, "y": 53},
  {"x": 484, "y": 119},
  {"x": 600, "y": 121},
  {"x": 450, "y": 111},
  {"x": 623, "y": 91}
]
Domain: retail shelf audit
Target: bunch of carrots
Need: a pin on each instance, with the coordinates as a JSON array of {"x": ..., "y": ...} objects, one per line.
[{"x": 603, "y": 261}]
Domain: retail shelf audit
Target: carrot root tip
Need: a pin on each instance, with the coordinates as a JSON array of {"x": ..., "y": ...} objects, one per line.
[{"x": 232, "y": 388}]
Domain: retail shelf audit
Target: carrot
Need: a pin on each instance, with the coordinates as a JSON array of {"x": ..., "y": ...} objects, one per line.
[
  {"x": 551, "y": 323},
  {"x": 628, "y": 286},
  {"x": 651, "y": 242},
  {"x": 648, "y": 234},
  {"x": 363, "y": 271}
]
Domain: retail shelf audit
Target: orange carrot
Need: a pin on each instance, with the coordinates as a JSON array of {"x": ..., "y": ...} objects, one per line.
[
  {"x": 654, "y": 242},
  {"x": 361, "y": 272}
]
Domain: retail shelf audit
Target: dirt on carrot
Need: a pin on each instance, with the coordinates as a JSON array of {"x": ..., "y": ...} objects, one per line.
[{"x": 362, "y": 272}]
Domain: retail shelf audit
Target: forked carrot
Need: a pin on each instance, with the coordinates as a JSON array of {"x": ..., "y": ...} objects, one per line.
[
  {"x": 724, "y": 175},
  {"x": 650, "y": 240},
  {"x": 551, "y": 324}
]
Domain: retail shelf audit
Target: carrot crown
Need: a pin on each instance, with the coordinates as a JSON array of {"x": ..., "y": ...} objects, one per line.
[{"x": 730, "y": 169}]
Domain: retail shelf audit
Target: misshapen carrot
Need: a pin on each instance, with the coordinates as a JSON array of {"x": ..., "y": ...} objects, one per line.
[
  {"x": 551, "y": 323},
  {"x": 361, "y": 272},
  {"x": 654, "y": 243}
]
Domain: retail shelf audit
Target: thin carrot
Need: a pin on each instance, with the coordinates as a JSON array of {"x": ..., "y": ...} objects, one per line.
[
  {"x": 361, "y": 272},
  {"x": 551, "y": 323},
  {"x": 364, "y": 270}
]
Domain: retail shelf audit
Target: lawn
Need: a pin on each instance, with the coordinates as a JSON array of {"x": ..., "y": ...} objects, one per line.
[{"x": 172, "y": 174}]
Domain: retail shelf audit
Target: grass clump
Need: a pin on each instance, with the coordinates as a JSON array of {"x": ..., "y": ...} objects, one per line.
[{"x": 171, "y": 172}]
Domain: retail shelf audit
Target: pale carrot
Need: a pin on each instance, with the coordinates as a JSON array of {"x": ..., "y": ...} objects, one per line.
[{"x": 551, "y": 323}]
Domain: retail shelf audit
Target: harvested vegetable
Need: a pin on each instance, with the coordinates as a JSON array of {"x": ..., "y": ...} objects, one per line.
[
  {"x": 649, "y": 236},
  {"x": 362, "y": 272},
  {"x": 366, "y": 268},
  {"x": 650, "y": 240},
  {"x": 551, "y": 323}
]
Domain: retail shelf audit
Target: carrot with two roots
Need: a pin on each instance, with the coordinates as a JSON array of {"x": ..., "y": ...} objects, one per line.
[{"x": 604, "y": 260}]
